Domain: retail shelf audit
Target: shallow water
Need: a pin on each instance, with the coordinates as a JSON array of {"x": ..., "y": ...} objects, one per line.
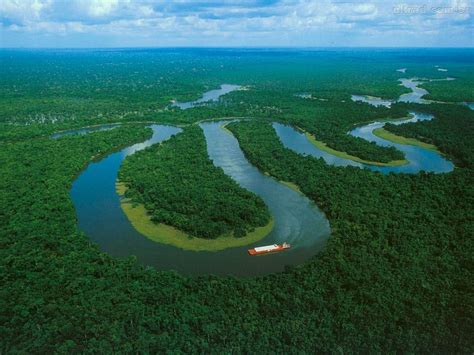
[
  {"x": 212, "y": 95},
  {"x": 304, "y": 95},
  {"x": 297, "y": 219}
]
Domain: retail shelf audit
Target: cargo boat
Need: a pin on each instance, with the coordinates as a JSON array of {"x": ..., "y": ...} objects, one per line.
[{"x": 269, "y": 249}]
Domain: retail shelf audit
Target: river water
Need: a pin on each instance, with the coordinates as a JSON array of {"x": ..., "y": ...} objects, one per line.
[
  {"x": 212, "y": 95},
  {"x": 415, "y": 96},
  {"x": 419, "y": 159}
]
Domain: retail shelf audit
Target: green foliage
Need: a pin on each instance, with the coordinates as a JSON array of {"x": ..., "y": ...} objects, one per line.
[
  {"x": 461, "y": 91},
  {"x": 63, "y": 86},
  {"x": 181, "y": 187},
  {"x": 452, "y": 131},
  {"x": 394, "y": 277},
  {"x": 396, "y": 274},
  {"x": 78, "y": 88},
  {"x": 399, "y": 251}
]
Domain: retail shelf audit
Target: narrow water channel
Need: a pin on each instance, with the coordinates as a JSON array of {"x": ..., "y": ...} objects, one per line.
[
  {"x": 419, "y": 159},
  {"x": 415, "y": 96},
  {"x": 211, "y": 95}
]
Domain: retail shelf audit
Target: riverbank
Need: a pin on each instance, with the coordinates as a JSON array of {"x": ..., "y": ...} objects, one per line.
[
  {"x": 384, "y": 134},
  {"x": 291, "y": 185},
  {"x": 225, "y": 129},
  {"x": 162, "y": 233},
  {"x": 323, "y": 146}
]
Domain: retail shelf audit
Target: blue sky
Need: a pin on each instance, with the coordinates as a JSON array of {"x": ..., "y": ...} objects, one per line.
[{"x": 225, "y": 23}]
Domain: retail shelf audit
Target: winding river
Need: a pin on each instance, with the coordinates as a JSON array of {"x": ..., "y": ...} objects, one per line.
[
  {"x": 415, "y": 96},
  {"x": 297, "y": 219},
  {"x": 419, "y": 158},
  {"x": 211, "y": 95}
]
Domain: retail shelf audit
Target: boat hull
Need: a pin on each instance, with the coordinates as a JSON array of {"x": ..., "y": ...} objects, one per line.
[{"x": 268, "y": 249}]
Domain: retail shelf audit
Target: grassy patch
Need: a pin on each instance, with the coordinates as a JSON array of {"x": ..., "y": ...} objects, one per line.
[
  {"x": 120, "y": 188},
  {"x": 291, "y": 185},
  {"x": 162, "y": 233},
  {"x": 384, "y": 134},
  {"x": 226, "y": 130},
  {"x": 344, "y": 155},
  {"x": 165, "y": 234}
]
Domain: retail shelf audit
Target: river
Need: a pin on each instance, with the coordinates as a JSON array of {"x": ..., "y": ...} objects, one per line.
[
  {"x": 208, "y": 96},
  {"x": 297, "y": 219},
  {"x": 415, "y": 96},
  {"x": 419, "y": 158}
]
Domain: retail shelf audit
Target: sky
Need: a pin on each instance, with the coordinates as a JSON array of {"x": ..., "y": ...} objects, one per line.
[{"x": 231, "y": 23}]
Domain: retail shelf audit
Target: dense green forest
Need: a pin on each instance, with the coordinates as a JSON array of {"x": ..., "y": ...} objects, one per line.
[
  {"x": 181, "y": 187},
  {"x": 444, "y": 91},
  {"x": 403, "y": 241},
  {"x": 451, "y": 131},
  {"x": 395, "y": 275},
  {"x": 77, "y": 88},
  {"x": 330, "y": 121}
]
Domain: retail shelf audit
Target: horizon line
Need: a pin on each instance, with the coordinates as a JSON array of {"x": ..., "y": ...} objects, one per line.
[{"x": 240, "y": 47}]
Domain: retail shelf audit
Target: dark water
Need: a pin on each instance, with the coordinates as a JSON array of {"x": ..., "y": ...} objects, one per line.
[
  {"x": 212, "y": 95},
  {"x": 297, "y": 219},
  {"x": 419, "y": 158},
  {"x": 297, "y": 141}
]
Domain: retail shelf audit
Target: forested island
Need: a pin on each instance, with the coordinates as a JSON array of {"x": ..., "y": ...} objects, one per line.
[{"x": 179, "y": 186}]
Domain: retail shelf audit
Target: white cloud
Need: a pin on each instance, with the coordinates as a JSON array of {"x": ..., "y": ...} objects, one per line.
[
  {"x": 100, "y": 7},
  {"x": 22, "y": 10},
  {"x": 294, "y": 21}
]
